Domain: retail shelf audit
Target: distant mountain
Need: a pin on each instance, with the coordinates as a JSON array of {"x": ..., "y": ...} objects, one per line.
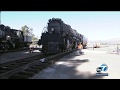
[{"x": 108, "y": 41}]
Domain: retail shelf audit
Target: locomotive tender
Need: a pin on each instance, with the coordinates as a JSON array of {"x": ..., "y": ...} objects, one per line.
[
  {"x": 59, "y": 37},
  {"x": 13, "y": 39}
]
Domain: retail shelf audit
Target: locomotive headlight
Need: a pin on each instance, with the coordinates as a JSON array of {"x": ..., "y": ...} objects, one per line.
[
  {"x": 52, "y": 29},
  {"x": 8, "y": 37}
]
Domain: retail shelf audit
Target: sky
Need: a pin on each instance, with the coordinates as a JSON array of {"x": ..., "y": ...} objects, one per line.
[{"x": 95, "y": 25}]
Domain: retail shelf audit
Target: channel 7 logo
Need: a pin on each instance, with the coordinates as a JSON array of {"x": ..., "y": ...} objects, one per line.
[{"x": 102, "y": 68}]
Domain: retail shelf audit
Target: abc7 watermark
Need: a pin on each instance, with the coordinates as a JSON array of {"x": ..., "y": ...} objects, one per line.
[{"x": 102, "y": 67}]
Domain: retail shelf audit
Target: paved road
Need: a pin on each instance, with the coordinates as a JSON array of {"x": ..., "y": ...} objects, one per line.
[{"x": 75, "y": 66}]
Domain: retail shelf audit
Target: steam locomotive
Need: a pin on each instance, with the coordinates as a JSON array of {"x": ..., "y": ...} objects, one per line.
[
  {"x": 60, "y": 37},
  {"x": 13, "y": 39}
]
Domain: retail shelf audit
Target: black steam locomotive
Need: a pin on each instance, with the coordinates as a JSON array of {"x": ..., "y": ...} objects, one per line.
[
  {"x": 12, "y": 39},
  {"x": 59, "y": 37}
]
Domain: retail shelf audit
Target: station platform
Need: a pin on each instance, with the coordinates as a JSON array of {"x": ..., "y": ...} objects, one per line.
[
  {"x": 72, "y": 66},
  {"x": 83, "y": 66}
]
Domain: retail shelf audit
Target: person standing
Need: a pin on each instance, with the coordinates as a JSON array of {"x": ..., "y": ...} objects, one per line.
[
  {"x": 80, "y": 47},
  {"x": 117, "y": 50},
  {"x": 31, "y": 49}
]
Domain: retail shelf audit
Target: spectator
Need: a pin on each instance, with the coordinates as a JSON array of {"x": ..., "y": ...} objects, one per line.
[
  {"x": 31, "y": 49},
  {"x": 80, "y": 47},
  {"x": 118, "y": 50}
]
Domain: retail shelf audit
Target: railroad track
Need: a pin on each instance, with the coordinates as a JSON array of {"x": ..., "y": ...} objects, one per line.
[
  {"x": 14, "y": 50},
  {"x": 28, "y": 67}
]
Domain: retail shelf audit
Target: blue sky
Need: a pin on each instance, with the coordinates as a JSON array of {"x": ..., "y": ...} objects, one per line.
[{"x": 95, "y": 25}]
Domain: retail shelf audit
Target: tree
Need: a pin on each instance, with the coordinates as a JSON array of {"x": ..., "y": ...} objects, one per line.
[
  {"x": 25, "y": 30},
  {"x": 35, "y": 39},
  {"x": 33, "y": 36},
  {"x": 29, "y": 31}
]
